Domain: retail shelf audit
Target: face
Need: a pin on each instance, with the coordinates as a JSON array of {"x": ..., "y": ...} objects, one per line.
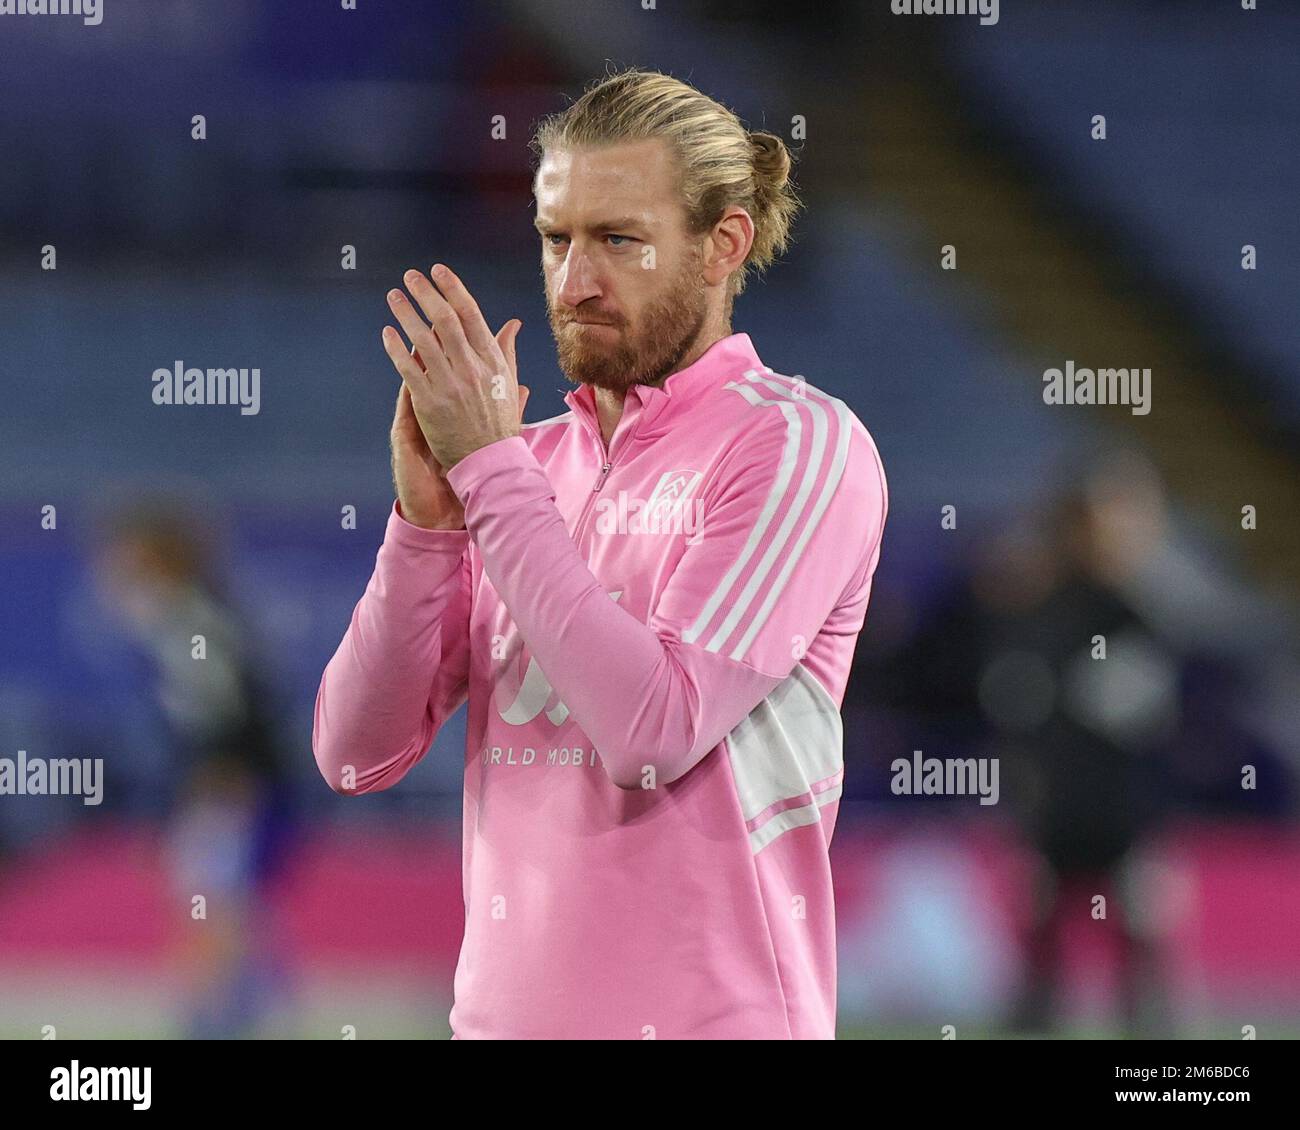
[
  {"x": 134, "y": 578},
  {"x": 621, "y": 314}
]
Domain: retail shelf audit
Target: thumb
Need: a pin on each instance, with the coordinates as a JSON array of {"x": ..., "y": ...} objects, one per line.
[
  {"x": 523, "y": 399},
  {"x": 506, "y": 340}
]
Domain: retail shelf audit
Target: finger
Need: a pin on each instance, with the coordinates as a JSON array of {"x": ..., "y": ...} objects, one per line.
[
  {"x": 443, "y": 320},
  {"x": 404, "y": 422},
  {"x": 418, "y": 359},
  {"x": 405, "y": 364},
  {"x": 406, "y": 428},
  {"x": 523, "y": 399},
  {"x": 505, "y": 339},
  {"x": 422, "y": 338},
  {"x": 462, "y": 302}
]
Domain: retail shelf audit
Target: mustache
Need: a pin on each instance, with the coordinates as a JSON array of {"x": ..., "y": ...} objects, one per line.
[{"x": 567, "y": 319}]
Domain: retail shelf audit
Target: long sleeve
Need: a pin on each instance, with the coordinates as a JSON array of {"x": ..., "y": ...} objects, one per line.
[
  {"x": 790, "y": 524},
  {"x": 403, "y": 665}
]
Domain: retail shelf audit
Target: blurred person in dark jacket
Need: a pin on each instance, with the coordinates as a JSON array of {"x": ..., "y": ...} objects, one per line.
[
  {"x": 1038, "y": 659},
  {"x": 1079, "y": 695},
  {"x": 230, "y": 826}
]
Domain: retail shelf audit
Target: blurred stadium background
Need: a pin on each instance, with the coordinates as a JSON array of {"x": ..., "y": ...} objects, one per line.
[{"x": 371, "y": 128}]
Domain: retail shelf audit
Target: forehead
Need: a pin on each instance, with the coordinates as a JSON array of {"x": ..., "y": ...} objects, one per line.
[{"x": 634, "y": 178}]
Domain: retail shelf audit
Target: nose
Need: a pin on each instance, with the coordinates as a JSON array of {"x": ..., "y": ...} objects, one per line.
[{"x": 576, "y": 281}]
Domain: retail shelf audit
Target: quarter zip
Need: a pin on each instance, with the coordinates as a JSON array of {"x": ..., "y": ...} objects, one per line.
[{"x": 608, "y": 462}]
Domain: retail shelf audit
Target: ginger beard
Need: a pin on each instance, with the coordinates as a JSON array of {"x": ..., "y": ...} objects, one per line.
[{"x": 611, "y": 357}]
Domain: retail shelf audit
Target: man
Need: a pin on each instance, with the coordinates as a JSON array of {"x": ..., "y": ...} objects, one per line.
[
  {"x": 230, "y": 824},
  {"x": 650, "y": 601}
]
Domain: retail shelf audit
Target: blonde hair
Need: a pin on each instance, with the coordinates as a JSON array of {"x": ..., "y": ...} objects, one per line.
[{"x": 720, "y": 163}]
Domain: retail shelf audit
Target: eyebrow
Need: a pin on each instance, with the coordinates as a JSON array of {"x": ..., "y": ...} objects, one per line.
[{"x": 544, "y": 226}]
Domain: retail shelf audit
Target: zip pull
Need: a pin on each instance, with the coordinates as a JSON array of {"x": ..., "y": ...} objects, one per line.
[{"x": 600, "y": 482}]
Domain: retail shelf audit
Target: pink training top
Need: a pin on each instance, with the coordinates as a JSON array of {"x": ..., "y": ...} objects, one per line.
[{"x": 654, "y": 641}]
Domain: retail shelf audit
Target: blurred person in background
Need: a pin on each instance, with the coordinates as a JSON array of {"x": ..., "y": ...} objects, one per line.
[
  {"x": 1078, "y": 694},
  {"x": 1098, "y": 753},
  {"x": 230, "y": 820},
  {"x": 1039, "y": 659}
]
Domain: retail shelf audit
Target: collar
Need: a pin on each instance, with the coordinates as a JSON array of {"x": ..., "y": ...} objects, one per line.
[{"x": 726, "y": 359}]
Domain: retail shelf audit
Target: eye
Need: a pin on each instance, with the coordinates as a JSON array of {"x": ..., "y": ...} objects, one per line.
[
  {"x": 550, "y": 236},
  {"x": 625, "y": 238}
]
